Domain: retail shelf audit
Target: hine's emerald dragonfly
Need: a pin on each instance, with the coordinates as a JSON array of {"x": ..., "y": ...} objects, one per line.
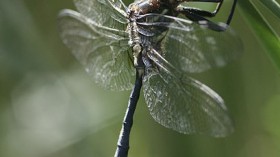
[{"x": 158, "y": 42}]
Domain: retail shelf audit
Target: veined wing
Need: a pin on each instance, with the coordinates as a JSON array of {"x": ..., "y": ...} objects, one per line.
[
  {"x": 110, "y": 13},
  {"x": 192, "y": 47},
  {"x": 182, "y": 103},
  {"x": 102, "y": 50}
]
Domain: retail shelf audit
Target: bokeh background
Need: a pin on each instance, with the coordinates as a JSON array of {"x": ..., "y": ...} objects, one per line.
[{"x": 49, "y": 107}]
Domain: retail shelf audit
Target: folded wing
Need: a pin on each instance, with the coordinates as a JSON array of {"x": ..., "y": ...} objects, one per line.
[
  {"x": 103, "y": 51},
  {"x": 192, "y": 47}
]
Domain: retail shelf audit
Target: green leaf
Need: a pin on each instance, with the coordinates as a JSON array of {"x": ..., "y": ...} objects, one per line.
[{"x": 263, "y": 17}]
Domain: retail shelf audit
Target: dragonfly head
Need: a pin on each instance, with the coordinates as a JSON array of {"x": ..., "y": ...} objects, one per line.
[{"x": 144, "y": 6}]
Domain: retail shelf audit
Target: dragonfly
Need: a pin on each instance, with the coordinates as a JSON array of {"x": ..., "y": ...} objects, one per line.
[{"x": 155, "y": 45}]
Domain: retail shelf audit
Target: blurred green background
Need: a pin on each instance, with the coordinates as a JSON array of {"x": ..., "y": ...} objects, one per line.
[{"x": 49, "y": 107}]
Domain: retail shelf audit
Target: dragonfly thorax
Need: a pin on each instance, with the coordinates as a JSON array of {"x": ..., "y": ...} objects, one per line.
[
  {"x": 148, "y": 6},
  {"x": 134, "y": 37},
  {"x": 136, "y": 54}
]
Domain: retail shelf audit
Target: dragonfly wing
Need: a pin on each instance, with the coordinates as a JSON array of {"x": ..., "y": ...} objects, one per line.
[
  {"x": 110, "y": 13},
  {"x": 193, "y": 47},
  {"x": 185, "y": 104},
  {"x": 102, "y": 50},
  {"x": 182, "y": 103}
]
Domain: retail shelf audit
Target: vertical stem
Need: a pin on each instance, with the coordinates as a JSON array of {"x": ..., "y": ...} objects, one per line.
[{"x": 123, "y": 141}]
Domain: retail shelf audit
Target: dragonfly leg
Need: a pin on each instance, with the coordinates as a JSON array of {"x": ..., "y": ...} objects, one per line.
[
  {"x": 123, "y": 141},
  {"x": 204, "y": 12},
  {"x": 203, "y": 21},
  {"x": 195, "y": 14},
  {"x": 200, "y": 14}
]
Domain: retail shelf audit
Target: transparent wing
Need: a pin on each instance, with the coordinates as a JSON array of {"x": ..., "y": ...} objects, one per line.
[
  {"x": 182, "y": 103},
  {"x": 192, "y": 47},
  {"x": 110, "y": 13},
  {"x": 102, "y": 50}
]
